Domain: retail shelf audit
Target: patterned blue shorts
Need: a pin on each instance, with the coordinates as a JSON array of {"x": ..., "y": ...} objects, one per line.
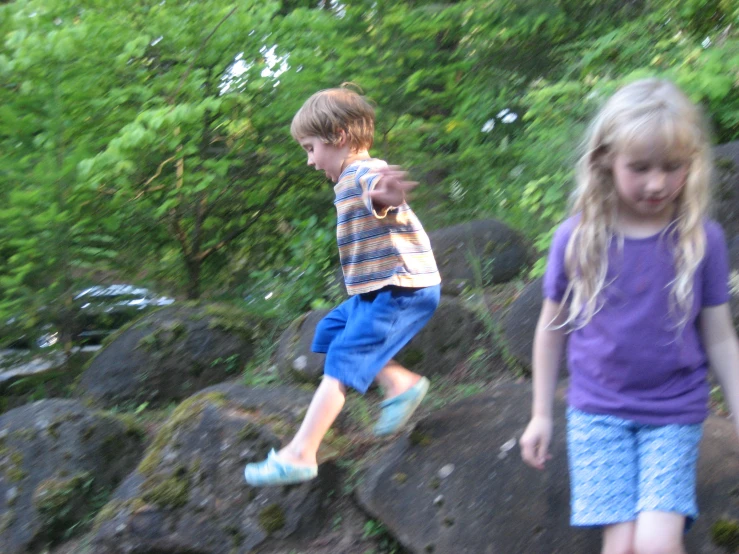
[
  {"x": 620, "y": 468},
  {"x": 363, "y": 333}
]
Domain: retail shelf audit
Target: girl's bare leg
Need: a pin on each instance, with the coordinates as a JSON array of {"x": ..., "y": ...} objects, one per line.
[
  {"x": 659, "y": 533},
  {"x": 619, "y": 538}
]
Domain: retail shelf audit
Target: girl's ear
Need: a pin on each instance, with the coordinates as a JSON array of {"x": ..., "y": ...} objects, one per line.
[{"x": 601, "y": 158}]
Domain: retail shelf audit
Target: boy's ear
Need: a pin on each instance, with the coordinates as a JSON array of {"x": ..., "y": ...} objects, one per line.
[{"x": 342, "y": 139}]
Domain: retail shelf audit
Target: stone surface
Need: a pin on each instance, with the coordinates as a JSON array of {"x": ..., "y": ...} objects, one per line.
[
  {"x": 457, "y": 484},
  {"x": 726, "y": 188},
  {"x": 477, "y": 254},
  {"x": 293, "y": 357},
  {"x": 445, "y": 343},
  {"x": 56, "y": 458},
  {"x": 170, "y": 354},
  {"x": 188, "y": 495},
  {"x": 519, "y": 323}
]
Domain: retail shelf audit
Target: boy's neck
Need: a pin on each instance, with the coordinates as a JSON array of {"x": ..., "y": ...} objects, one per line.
[{"x": 353, "y": 157}]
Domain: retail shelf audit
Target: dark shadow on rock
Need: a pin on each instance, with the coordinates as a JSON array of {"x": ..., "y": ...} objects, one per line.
[{"x": 519, "y": 325}]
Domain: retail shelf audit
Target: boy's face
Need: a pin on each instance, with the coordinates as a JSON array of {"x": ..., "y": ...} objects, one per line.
[{"x": 325, "y": 157}]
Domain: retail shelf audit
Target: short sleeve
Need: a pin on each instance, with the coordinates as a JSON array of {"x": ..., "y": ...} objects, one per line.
[
  {"x": 554, "y": 284},
  {"x": 366, "y": 180},
  {"x": 367, "y": 177},
  {"x": 715, "y": 267}
]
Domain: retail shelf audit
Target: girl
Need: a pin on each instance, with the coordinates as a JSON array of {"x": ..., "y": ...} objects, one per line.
[{"x": 638, "y": 278}]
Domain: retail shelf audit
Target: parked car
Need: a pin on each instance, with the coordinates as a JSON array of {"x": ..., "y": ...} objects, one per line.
[{"x": 96, "y": 312}]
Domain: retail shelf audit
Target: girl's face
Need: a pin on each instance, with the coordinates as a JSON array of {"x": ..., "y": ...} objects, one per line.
[{"x": 648, "y": 183}]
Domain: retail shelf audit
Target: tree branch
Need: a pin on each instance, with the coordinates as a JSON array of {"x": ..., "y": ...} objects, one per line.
[
  {"x": 240, "y": 231},
  {"x": 195, "y": 57}
]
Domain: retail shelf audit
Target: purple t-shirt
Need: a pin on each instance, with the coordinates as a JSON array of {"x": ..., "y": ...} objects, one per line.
[{"x": 629, "y": 360}]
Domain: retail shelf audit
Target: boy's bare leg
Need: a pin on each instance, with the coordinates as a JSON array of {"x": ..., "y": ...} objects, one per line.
[
  {"x": 395, "y": 379},
  {"x": 323, "y": 410}
]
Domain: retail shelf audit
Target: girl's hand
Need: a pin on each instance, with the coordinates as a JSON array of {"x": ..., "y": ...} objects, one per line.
[
  {"x": 391, "y": 188},
  {"x": 535, "y": 441}
]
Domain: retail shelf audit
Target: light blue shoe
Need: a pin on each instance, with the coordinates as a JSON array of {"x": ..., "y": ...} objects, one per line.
[
  {"x": 274, "y": 471},
  {"x": 396, "y": 411}
]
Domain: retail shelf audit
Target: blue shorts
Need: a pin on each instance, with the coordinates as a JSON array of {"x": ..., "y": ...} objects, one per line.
[
  {"x": 361, "y": 335},
  {"x": 620, "y": 468}
]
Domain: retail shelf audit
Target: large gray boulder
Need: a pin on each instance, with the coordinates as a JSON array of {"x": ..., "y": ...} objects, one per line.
[
  {"x": 457, "y": 484},
  {"x": 478, "y": 254},
  {"x": 445, "y": 344},
  {"x": 726, "y": 188},
  {"x": 293, "y": 356},
  {"x": 188, "y": 494},
  {"x": 519, "y": 324},
  {"x": 170, "y": 354},
  {"x": 57, "y": 458}
]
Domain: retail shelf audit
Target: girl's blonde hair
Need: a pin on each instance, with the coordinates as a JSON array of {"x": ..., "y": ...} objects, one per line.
[
  {"x": 330, "y": 111},
  {"x": 647, "y": 112}
]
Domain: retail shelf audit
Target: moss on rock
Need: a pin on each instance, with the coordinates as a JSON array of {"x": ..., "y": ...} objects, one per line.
[
  {"x": 112, "y": 508},
  {"x": 272, "y": 518},
  {"x": 167, "y": 492},
  {"x": 187, "y": 412},
  {"x": 725, "y": 533},
  {"x": 59, "y": 499}
]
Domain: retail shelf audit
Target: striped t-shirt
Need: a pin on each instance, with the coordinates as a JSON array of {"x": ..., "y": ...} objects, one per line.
[{"x": 377, "y": 250}]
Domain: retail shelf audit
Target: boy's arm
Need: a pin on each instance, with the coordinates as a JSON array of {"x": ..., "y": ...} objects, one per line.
[
  {"x": 390, "y": 189},
  {"x": 722, "y": 347},
  {"x": 549, "y": 341}
]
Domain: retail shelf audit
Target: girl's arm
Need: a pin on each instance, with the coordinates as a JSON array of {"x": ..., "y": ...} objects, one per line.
[
  {"x": 722, "y": 348},
  {"x": 549, "y": 340}
]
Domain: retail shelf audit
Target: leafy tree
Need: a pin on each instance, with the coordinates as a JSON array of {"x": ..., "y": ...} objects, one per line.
[{"x": 150, "y": 140}]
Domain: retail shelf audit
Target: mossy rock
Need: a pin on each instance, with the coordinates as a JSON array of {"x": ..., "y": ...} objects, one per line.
[
  {"x": 478, "y": 254},
  {"x": 172, "y": 353},
  {"x": 58, "y": 462},
  {"x": 188, "y": 491}
]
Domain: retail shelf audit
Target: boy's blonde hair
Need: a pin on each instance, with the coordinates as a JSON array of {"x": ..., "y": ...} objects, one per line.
[
  {"x": 330, "y": 111},
  {"x": 646, "y": 113}
]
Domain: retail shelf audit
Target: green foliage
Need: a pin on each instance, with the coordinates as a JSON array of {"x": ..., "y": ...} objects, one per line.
[
  {"x": 386, "y": 542},
  {"x": 149, "y": 141}
]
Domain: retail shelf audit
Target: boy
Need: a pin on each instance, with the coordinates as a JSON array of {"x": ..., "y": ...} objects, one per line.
[{"x": 390, "y": 275}]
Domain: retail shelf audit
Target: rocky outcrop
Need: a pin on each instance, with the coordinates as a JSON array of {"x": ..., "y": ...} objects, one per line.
[
  {"x": 171, "y": 354},
  {"x": 726, "y": 188},
  {"x": 443, "y": 345},
  {"x": 457, "y": 484},
  {"x": 188, "y": 494},
  {"x": 57, "y": 459},
  {"x": 293, "y": 356},
  {"x": 519, "y": 323},
  {"x": 478, "y": 254}
]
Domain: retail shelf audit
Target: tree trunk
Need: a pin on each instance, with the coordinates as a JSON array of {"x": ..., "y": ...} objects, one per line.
[{"x": 193, "y": 279}]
